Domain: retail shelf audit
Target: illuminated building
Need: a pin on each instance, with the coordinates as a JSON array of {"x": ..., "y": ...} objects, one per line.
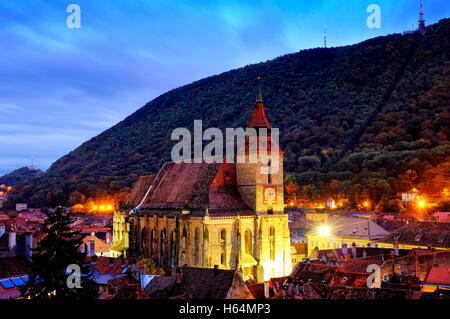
[
  {"x": 207, "y": 214},
  {"x": 336, "y": 232}
]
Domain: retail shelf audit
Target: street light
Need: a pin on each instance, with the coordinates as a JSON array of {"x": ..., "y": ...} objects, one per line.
[{"x": 324, "y": 231}]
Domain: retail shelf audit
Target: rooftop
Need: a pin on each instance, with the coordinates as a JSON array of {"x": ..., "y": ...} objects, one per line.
[{"x": 421, "y": 234}]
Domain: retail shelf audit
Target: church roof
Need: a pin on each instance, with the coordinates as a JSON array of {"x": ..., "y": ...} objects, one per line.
[
  {"x": 139, "y": 190},
  {"x": 196, "y": 186}
]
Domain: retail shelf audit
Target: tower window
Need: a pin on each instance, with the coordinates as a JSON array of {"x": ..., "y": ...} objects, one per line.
[{"x": 269, "y": 176}]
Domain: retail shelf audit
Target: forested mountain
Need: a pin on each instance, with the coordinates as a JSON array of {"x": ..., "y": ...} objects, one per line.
[
  {"x": 20, "y": 176},
  {"x": 361, "y": 121}
]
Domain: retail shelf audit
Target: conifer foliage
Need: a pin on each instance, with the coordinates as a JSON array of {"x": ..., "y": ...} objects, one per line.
[{"x": 58, "y": 249}]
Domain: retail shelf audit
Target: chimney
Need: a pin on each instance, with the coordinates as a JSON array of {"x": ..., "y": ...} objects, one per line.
[
  {"x": 396, "y": 253},
  {"x": 108, "y": 238},
  {"x": 344, "y": 249},
  {"x": 91, "y": 248},
  {"x": 178, "y": 276},
  {"x": 354, "y": 250},
  {"x": 397, "y": 270},
  {"x": 12, "y": 240},
  {"x": 266, "y": 290},
  {"x": 28, "y": 245},
  {"x": 216, "y": 270}
]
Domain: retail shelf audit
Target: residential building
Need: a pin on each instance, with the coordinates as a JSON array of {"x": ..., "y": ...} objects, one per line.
[
  {"x": 199, "y": 283},
  {"x": 417, "y": 234},
  {"x": 336, "y": 232}
]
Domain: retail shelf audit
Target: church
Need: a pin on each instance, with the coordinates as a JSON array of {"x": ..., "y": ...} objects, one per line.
[{"x": 226, "y": 215}]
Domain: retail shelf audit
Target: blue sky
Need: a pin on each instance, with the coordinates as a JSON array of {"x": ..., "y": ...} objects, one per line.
[{"x": 59, "y": 87}]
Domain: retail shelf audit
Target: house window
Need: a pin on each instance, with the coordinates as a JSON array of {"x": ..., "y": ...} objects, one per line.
[{"x": 91, "y": 251}]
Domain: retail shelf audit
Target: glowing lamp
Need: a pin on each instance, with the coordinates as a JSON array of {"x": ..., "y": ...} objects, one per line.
[
  {"x": 421, "y": 204},
  {"x": 324, "y": 231},
  {"x": 366, "y": 204}
]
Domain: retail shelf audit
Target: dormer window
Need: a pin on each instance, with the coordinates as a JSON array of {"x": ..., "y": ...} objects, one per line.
[
  {"x": 443, "y": 238},
  {"x": 419, "y": 237},
  {"x": 355, "y": 230}
]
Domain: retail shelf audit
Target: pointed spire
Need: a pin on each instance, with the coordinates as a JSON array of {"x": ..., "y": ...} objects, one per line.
[
  {"x": 259, "y": 115},
  {"x": 258, "y": 95}
]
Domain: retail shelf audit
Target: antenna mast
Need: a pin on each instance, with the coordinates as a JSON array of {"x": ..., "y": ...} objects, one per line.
[{"x": 421, "y": 20}]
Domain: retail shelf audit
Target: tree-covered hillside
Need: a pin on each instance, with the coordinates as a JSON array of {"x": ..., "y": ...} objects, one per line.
[
  {"x": 20, "y": 176},
  {"x": 360, "y": 121}
]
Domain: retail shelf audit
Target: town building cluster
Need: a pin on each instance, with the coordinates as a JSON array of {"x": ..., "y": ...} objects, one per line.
[{"x": 222, "y": 231}]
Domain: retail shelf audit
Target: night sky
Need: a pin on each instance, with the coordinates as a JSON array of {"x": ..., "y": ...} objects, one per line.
[{"x": 59, "y": 87}]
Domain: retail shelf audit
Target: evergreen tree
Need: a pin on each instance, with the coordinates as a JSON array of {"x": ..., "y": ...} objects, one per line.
[{"x": 58, "y": 249}]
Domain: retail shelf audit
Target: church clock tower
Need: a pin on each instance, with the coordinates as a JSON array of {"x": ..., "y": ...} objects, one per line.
[{"x": 261, "y": 182}]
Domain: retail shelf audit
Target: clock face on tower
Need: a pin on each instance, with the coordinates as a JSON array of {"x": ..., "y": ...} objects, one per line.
[{"x": 269, "y": 195}]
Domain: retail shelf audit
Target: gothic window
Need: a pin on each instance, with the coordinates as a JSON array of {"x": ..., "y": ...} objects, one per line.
[
  {"x": 144, "y": 240},
  {"x": 248, "y": 242},
  {"x": 161, "y": 246},
  {"x": 152, "y": 239},
  {"x": 197, "y": 246},
  {"x": 272, "y": 242},
  {"x": 132, "y": 236},
  {"x": 184, "y": 239},
  {"x": 269, "y": 176},
  {"x": 222, "y": 240},
  {"x": 223, "y": 236}
]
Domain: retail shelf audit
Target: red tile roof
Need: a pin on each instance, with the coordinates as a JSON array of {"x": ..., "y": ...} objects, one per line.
[
  {"x": 106, "y": 265},
  {"x": 313, "y": 272},
  {"x": 257, "y": 291},
  {"x": 417, "y": 233},
  {"x": 349, "y": 279},
  {"x": 359, "y": 265},
  {"x": 438, "y": 276},
  {"x": 11, "y": 266}
]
